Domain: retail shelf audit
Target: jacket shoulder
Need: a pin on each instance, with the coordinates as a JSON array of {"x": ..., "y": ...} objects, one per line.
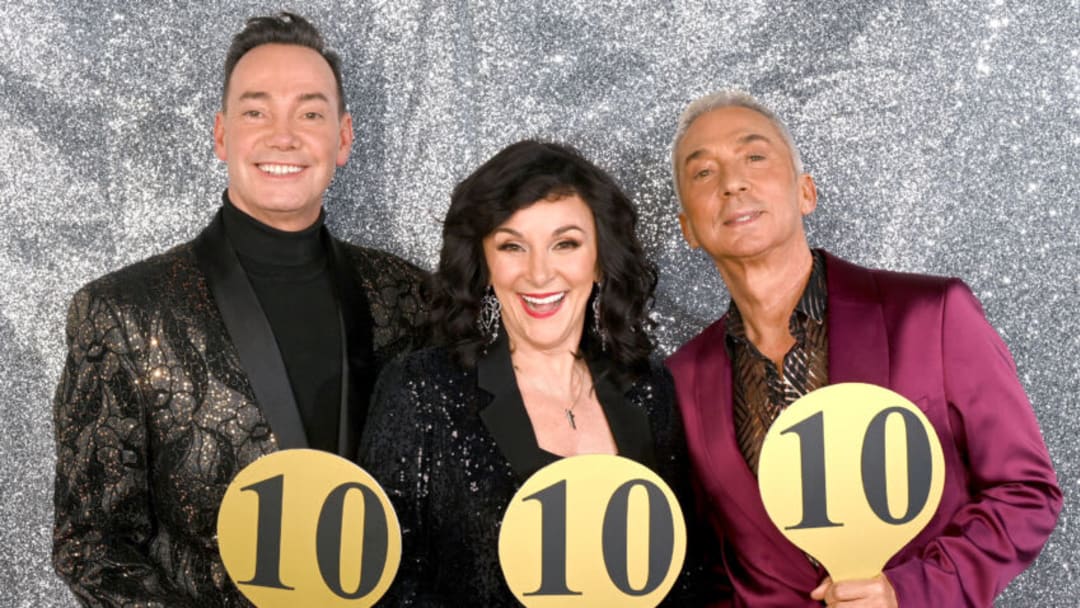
[
  {"x": 687, "y": 353},
  {"x": 147, "y": 281},
  {"x": 913, "y": 283},
  {"x": 430, "y": 365},
  {"x": 890, "y": 283},
  {"x": 381, "y": 262},
  {"x": 657, "y": 379}
]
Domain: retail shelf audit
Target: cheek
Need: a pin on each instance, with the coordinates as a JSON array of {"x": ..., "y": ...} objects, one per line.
[
  {"x": 584, "y": 270},
  {"x": 500, "y": 269}
]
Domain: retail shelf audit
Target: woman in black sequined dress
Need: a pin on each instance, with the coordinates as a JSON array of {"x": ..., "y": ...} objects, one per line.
[{"x": 541, "y": 300}]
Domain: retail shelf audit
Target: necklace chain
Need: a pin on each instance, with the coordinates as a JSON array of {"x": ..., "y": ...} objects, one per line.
[
  {"x": 578, "y": 375},
  {"x": 577, "y": 396}
]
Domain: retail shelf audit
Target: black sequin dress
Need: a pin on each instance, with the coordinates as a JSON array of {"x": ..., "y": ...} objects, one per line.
[{"x": 451, "y": 447}]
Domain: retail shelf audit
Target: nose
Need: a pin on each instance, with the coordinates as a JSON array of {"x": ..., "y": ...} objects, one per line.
[
  {"x": 539, "y": 267},
  {"x": 282, "y": 135},
  {"x": 733, "y": 181}
]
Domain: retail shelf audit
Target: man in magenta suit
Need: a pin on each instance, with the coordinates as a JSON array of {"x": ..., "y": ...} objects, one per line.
[{"x": 800, "y": 319}]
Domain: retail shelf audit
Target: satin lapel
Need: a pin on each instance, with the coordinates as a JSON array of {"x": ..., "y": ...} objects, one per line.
[
  {"x": 251, "y": 334},
  {"x": 858, "y": 342},
  {"x": 629, "y": 425},
  {"x": 357, "y": 353},
  {"x": 738, "y": 484},
  {"x": 505, "y": 417}
]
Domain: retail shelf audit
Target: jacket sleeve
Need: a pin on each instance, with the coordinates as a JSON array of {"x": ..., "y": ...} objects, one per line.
[
  {"x": 1015, "y": 499},
  {"x": 392, "y": 450},
  {"x": 103, "y": 520}
]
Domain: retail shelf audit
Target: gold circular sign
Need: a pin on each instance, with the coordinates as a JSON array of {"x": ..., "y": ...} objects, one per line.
[
  {"x": 308, "y": 528},
  {"x": 592, "y": 530},
  {"x": 850, "y": 473}
]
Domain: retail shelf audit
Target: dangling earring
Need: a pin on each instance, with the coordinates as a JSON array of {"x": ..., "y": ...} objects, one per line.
[
  {"x": 490, "y": 311},
  {"x": 597, "y": 328}
]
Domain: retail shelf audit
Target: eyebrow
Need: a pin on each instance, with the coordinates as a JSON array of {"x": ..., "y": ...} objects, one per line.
[
  {"x": 263, "y": 95},
  {"x": 752, "y": 137},
  {"x": 557, "y": 232},
  {"x": 742, "y": 141}
]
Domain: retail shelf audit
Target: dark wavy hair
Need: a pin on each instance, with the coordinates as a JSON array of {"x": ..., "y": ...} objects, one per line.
[
  {"x": 282, "y": 28},
  {"x": 518, "y": 176}
]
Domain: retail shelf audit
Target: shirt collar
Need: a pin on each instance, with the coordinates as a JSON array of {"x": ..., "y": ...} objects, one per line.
[{"x": 811, "y": 304}]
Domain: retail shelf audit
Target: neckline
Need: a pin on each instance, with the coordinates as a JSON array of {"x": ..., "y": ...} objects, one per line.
[{"x": 269, "y": 247}]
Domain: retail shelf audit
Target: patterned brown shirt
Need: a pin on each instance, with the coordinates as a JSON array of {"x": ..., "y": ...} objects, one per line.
[{"x": 760, "y": 391}]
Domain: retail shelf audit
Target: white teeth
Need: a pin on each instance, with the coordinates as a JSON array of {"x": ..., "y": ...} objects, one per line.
[
  {"x": 281, "y": 169},
  {"x": 547, "y": 300}
]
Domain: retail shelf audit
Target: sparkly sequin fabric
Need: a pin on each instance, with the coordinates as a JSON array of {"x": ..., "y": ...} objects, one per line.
[
  {"x": 450, "y": 482},
  {"x": 154, "y": 416}
]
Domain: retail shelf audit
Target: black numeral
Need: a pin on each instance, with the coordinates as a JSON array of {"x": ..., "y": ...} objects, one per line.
[
  {"x": 661, "y": 537},
  {"x": 614, "y": 538},
  {"x": 919, "y": 469},
  {"x": 328, "y": 541},
  {"x": 268, "y": 540},
  {"x": 552, "y": 540},
  {"x": 328, "y": 538},
  {"x": 811, "y": 433}
]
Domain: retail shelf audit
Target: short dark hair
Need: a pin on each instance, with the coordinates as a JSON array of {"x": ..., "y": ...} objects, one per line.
[
  {"x": 282, "y": 28},
  {"x": 518, "y": 176}
]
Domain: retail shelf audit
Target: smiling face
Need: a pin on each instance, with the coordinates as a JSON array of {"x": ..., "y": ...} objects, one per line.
[
  {"x": 542, "y": 263},
  {"x": 741, "y": 197},
  {"x": 281, "y": 135}
]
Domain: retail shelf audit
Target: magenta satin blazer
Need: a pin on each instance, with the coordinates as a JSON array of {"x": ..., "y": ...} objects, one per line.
[{"x": 927, "y": 339}]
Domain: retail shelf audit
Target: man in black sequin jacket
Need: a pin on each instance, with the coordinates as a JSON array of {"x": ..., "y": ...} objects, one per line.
[{"x": 264, "y": 333}]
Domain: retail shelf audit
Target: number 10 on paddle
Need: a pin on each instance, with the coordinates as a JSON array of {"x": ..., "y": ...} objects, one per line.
[
  {"x": 308, "y": 528},
  {"x": 592, "y": 530},
  {"x": 850, "y": 473}
]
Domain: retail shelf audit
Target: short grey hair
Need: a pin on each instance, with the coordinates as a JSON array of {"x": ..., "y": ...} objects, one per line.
[{"x": 727, "y": 98}]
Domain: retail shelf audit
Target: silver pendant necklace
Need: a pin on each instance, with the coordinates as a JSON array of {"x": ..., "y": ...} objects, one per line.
[
  {"x": 578, "y": 375},
  {"x": 577, "y": 396}
]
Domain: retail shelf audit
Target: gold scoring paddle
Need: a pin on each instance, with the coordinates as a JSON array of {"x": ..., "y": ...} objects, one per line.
[
  {"x": 592, "y": 530},
  {"x": 308, "y": 528},
  {"x": 850, "y": 473}
]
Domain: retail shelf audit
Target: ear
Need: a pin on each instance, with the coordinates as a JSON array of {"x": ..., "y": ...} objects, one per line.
[
  {"x": 219, "y": 136},
  {"x": 688, "y": 231},
  {"x": 345, "y": 139},
  {"x": 807, "y": 194}
]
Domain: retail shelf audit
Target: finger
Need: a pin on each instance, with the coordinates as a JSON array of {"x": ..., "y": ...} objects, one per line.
[
  {"x": 847, "y": 591},
  {"x": 865, "y": 592},
  {"x": 819, "y": 592}
]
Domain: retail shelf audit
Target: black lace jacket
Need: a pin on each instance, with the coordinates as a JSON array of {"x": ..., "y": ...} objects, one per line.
[
  {"x": 451, "y": 447},
  {"x": 158, "y": 409}
]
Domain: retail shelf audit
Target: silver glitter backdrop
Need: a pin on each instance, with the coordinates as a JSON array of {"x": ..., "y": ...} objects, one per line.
[{"x": 943, "y": 136}]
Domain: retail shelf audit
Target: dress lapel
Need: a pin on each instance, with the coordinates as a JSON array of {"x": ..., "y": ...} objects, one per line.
[
  {"x": 508, "y": 422},
  {"x": 250, "y": 332},
  {"x": 629, "y": 425},
  {"x": 505, "y": 416}
]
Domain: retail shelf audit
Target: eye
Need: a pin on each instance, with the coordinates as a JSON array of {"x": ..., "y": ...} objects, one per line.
[
  {"x": 702, "y": 174},
  {"x": 252, "y": 113},
  {"x": 756, "y": 157},
  {"x": 312, "y": 115},
  {"x": 509, "y": 246},
  {"x": 568, "y": 244}
]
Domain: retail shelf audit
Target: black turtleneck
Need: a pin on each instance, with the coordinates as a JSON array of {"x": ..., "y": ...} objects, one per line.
[{"x": 291, "y": 277}]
